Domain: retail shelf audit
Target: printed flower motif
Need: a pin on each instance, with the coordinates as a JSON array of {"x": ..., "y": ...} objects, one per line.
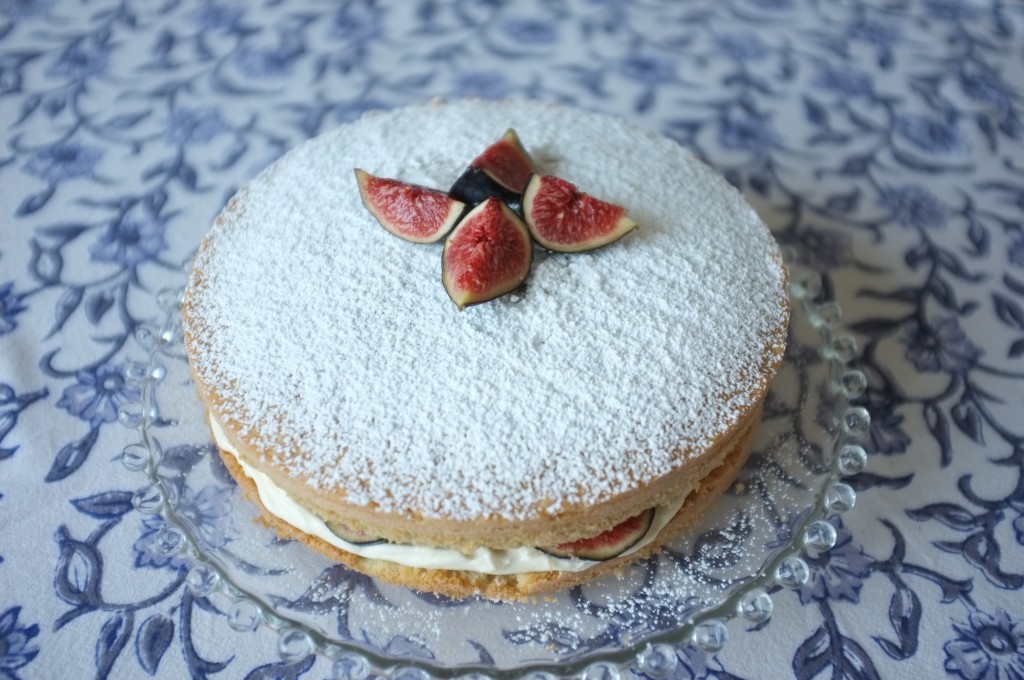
[
  {"x": 746, "y": 133},
  {"x": 23, "y": 9},
  {"x": 531, "y": 31},
  {"x": 930, "y": 134},
  {"x": 80, "y": 60},
  {"x": 10, "y": 307},
  {"x": 64, "y": 160},
  {"x": 483, "y": 84},
  {"x": 357, "y": 22},
  {"x": 839, "y": 573},
  {"x": 845, "y": 81},
  {"x": 648, "y": 70},
  {"x": 148, "y": 552},
  {"x": 988, "y": 647},
  {"x": 886, "y": 434},
  {"x": 873, "y": 32},
  {"x": 15, "y": 650},
  {"x": 741, "y": 46},
  {"x": 914, "y": 206},
  {"x": 209, "y": 512},
  {"x": 188, "y": 126},
  {"x": 940, "y": 347},
  {"x": 217, "y": 16},
  {"x": 97, "y": 395},
  {"x": 209, "y": 515},
  {"x": 985, "y": 86},
  {"x": 133, "y": 238}
]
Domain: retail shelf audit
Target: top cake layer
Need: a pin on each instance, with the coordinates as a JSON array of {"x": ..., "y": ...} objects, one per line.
[{"x": 331, "y": 347}]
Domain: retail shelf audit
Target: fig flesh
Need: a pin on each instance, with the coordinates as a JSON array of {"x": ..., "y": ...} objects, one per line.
[
  {"x": 409, "y": 211},
  {"x": 350, "y": 535},
  {"x": 608, "y": 544},
  {"x": 564, "y": 219},
  {"x": 502, "y": 170},
  {"x": 487, "y": 255}
]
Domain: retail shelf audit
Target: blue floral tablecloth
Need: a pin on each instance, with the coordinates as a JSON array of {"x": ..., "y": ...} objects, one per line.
[{"x": 883, "y": 139}]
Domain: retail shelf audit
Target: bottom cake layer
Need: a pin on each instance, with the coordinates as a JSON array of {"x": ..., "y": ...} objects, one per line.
[{"x": 511, "y": 586}]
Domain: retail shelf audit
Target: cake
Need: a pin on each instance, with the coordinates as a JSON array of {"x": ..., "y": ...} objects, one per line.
[{"x": 464, "y": 452}]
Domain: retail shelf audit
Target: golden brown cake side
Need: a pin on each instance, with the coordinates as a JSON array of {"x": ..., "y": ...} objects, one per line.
[{"x": 459, "y": 584}]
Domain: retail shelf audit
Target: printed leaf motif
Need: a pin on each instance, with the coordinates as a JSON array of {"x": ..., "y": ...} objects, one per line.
[
  {"x": 968, "y": 420},
  {"x": 1009, "y": 311},
  {"x": 78, "y": 571},
  {"x": 943, "y": 292},
  {"x": 905, "y": 617},
  {"x": 979, "y": 237},
  {"x": 97, "y": 305},
  {"x": 938, "y": 425},
  {"x": 66, "y": 306},
  {"x": 199, "y": 667},
  {"x": 950, "y": 514},
  {"x": 816, "y": 113},
  {"x": 869, "y": 480},
  {"x": 982, "y": 551},
  {"x": 113, "y": 637},
  {"x": 72, "y": 456},
  {"x": 1014, "y": 284},
  {"x": 847, "y": 659},
  {"x": 46, "y": 263},
  {"x": 282, "y": 670},
  {"x": 125, "y": 121},
  {"x": 35, "y": 201},
  {"x": 812, "y": 656},
  {"x": 105, "y": 505},
  {"x": 154, "y": 637}
]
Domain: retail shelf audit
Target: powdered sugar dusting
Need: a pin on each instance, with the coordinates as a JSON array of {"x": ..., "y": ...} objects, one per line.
[{"x": 335, "y": 339}]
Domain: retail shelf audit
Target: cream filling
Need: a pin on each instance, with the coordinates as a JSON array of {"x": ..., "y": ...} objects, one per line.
[{"x": 523, "y": 560}]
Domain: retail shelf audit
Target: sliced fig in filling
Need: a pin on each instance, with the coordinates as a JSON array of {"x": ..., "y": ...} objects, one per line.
[
  {"x": 487, "y": 255},
  {"x": 502, "y": 170},
  {"x": 409, "y": 211},
  {"x": 353, "y": 536},
  {"x": 607, "y": 544},
  {"x": 564, "y": 219}
]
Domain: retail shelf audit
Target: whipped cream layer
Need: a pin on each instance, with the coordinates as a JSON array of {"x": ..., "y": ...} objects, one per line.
[{"x": 522, "y": 560}]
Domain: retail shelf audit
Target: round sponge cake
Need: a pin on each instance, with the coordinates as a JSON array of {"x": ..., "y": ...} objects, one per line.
[{"x": 336, "y": 369}]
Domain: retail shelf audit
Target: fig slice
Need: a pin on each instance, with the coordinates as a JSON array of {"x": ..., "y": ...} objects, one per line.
[
  {"x": 564, "y": 219},
  {"x": 350, "y": 535},
  {"x": 487, "y": 255},
  {"x": 409, "y": 211},
  {"x": 502, "y": 170},
  {"x": 608, "y": 544}
]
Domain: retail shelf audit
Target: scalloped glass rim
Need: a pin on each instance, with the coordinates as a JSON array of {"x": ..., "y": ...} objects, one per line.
[{"x": 654, "y": 654}]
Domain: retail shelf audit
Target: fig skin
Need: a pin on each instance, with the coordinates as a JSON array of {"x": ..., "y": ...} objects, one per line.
[
  {"x": 506, "y": 229},
  {"x": 474, "y": 186},
  {"x": 595, "y": 548},
  {"x": 453, "y": 209},
  {"x": 502, "y": 170},
  {"x": 548, "y": 188},
  {"x": 352, "y": 536}
]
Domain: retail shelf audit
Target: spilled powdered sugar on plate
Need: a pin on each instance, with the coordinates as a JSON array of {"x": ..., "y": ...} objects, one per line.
[{"x": 643, "y": 346}]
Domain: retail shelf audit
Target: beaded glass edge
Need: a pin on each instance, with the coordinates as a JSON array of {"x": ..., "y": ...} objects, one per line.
[{"x": 656, "y": 656}]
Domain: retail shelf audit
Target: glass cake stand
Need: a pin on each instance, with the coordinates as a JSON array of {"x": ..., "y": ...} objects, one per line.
[{"x": 750, "y": 544}]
